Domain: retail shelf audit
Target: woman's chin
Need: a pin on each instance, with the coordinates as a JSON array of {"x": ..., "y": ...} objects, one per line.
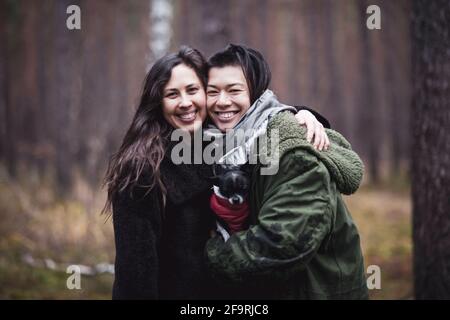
[
  {"x": 191, "y": 126},
  {"x": 225, "y": 126}
]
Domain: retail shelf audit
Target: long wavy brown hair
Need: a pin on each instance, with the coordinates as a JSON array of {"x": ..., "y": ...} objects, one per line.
[{"x": 144, "y": 145}]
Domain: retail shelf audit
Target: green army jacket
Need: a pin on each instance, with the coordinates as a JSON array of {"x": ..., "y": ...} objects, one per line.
[{"x": 302, "y": 242}]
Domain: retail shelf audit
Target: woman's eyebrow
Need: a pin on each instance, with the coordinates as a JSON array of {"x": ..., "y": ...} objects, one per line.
[
  {"x": 235, "y": 84},
  {"x": 170, "y": 90},
  {"x": 227, "y": 86}
]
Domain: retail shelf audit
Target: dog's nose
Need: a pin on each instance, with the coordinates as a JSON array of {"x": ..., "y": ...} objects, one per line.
[{"x": 236, "y": 200}]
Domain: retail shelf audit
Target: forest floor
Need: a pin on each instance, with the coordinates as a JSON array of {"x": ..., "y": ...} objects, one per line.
[
  {"x": 383, "y": 218},
  {"x": 34, "y": 223}
]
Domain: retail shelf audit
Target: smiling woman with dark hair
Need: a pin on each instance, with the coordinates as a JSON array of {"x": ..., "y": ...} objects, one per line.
[
  {"x": 161, "y": 220},
  {"x": 302, "y": 242}
]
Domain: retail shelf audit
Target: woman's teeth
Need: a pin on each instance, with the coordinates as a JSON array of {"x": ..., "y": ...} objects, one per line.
[
  {"x": 226, "y": 115},
  {"x": 187, "y": 116}
]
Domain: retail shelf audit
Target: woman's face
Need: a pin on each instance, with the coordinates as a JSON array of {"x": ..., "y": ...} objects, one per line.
[
  {"x": 184, "y": 99},
  {"x": 228, "y": 97}
]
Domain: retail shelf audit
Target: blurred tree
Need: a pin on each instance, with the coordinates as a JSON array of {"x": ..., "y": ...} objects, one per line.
[
  {"x": 238, "y": 20},
  {"x": 215, "y": 29},
  {"x": 66, "y": 97},
  {"x": 160, "y": 27},
  {"x": 313, "y": 49},
  {"x": 10, "y": 16},
  {"x": 183, "y": 25},
  {"x": 66, "y": 106},
  {"x": 368, "y": 108},
  {"x": 334, "y": 93},
  {"x": 391, "y": 76},
  {"x": 292, "y": 53},
  {"x": 3, "y": 80},
  {"x": 391, "y": 82},
  {"x": 431, "y": 148}
]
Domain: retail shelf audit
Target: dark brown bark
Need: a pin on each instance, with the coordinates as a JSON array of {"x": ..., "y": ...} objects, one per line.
[{"x": 431, "y": 149}]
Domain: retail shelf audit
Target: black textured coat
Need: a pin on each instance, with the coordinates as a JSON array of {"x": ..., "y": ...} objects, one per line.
[{"x": 160, "y": 255}]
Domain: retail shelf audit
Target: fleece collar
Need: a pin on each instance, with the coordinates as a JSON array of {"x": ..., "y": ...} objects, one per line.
[{"x": 344, "y": 165}]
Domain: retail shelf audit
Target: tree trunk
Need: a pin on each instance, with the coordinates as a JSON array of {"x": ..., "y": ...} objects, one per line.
[
  {"x": 67, "y": 94},
  {"x": 10, "y": 14},
  {"x": 334, "y": 92},
  {"x": 292, "y": 78},
  {"x": 369, "y": 104},
  {"x": 313, "y": 38},
  {"x": 393, "y": 104},
  {"x": 3, "y": 82},
  {"x": 431, "y": 148},
  {"x": 215, "y": 29}
]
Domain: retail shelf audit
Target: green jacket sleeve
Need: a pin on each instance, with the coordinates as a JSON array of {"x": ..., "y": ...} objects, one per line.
[{"x": 294, "y": 216}]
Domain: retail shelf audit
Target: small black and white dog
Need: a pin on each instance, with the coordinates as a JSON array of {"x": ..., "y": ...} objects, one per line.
[
  {"x": 231, "y": 186},
  {"x": 231, "y": 182}
]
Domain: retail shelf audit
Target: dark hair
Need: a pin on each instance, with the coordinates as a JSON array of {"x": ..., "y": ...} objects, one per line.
[
  {"x": 144, "y": 144},
  {"x": 256, "y": 69}
]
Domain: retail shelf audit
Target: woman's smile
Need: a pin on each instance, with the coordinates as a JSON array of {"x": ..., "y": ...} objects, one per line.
[
  {"x": 188, "y": 117},
  {"x": 226, "y": 116}
]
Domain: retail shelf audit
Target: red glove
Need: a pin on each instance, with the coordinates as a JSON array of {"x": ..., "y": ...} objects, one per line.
[{"x": 234, "y": 215}]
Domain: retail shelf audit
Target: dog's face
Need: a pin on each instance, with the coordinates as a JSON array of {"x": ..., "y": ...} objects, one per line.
[{"x": 233, "y": 182}]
